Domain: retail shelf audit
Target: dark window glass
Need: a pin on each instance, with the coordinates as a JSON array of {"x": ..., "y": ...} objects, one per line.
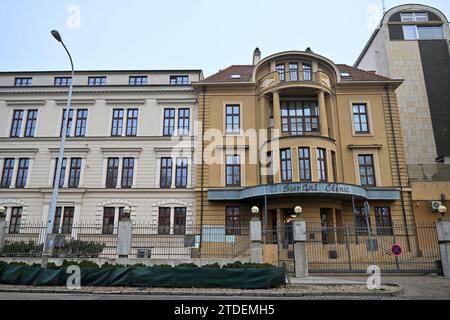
[
  {"x": 293, "y": 71},
  {"x": 281, "y": 71},
  {"x": 117, "y": 122},
  {"x": 233, "y": 119},
  {"x": 31, "y": 123},
  {"x": 69, "y": 122},
  {"x": 366, "y": 170},
  {"x": 137, "y": 80},
  {"x": 112, "y": 172},
  {"x": 14, "y": 223},
  {"x": 333, "y": 165},
  {"x": 67, "y": 220},
  {"x": 304, "y": 163},
  {"x": 183, "y": 122},
  {"x": 179, "y": 80},
  {"x": 298, "y": 117},
  {"x": 97, "y": 81},
  {"x": 164, "y": 221},
  {"x": 270, "y": 168},
  {"x": 16, "y": 123},
  {"x": 181, "y": 173},
  {"x": 8, "y": 169},
  {"x": 165, "y": 180},
  {"x": 286, "y": 165},
  {"x": 179, "y": 222},
  {"x": 75, "y": 171},
  {"x": 62, "y": 174},
  {"x": 322, "y": 165},
  {"x": 169, "y": 122},
  {"x": 63, "y": 81},
  {"x": 233, "y": 170},
  {"x": 80, "y": 126},
  {"x": 108, "y": 220},
  {"x": 360, "y": 119},
  {"x": 383, "y": 221},
  {"x": 57, "y": 220},
  {"x": 132, "y": 122},
  {"x": 361, "y": 221},
  {"x": 233, "y": 221},
  {"x": 307, "y": 72},
  {"x": 127, "y": 172},
  {"x": 22, "y": 173},
  {"x": 22, "y": 82}
]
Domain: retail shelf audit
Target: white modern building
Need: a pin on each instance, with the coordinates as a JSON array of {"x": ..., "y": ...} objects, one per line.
[{"x": 122, "y": 134}]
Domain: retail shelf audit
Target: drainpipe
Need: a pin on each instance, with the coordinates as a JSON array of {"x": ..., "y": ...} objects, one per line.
[
  {"x": 386, "y": 87},
  {"x": 202, "y": 173}
]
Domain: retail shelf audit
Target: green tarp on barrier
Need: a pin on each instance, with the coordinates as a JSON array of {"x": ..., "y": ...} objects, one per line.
[{"x": 147, "y": 277}]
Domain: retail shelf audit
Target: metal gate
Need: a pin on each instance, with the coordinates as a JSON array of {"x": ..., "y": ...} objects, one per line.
[
  {"x": 352, "y": 250},
  {"x": 280, "y": 243}
]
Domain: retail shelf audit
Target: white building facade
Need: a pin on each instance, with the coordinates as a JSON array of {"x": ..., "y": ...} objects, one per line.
[{"x": 123, "y": 131}]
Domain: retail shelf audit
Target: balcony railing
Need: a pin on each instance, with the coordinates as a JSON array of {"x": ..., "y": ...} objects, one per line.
[
  {"x": 295, "y": 76},
  {"x": 429, "y": 172}
]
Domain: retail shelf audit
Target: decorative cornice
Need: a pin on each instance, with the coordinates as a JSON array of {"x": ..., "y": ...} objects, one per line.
[
  {"x": 75, "y": 101},
  {"x": 25, "y": 102},
  {"x": 125, "y": 101},
  {"x": 81, "y": 150},
  {"x": 365, "y": 146},
  {"x": 176, "y": 101},
  {"x": 21, "y": 150},
  {"x": 122, "y": 150}
]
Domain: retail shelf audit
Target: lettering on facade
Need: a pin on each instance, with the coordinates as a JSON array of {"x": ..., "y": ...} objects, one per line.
[{"x": 317, "y": 188}]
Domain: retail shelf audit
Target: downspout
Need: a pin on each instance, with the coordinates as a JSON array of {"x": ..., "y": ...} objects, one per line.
[
  {"x": 405, "y": 222},
  {"x": 202, "y": 169}
]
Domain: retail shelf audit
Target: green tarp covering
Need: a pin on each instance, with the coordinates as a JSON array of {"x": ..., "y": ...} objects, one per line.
[{"x": 147, "y": 277}]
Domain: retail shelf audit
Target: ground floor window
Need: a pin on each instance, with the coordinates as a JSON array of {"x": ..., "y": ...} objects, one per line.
[
  {"x": 63, "y": 222},
  {"x": 361, "y": 222},
  {"x": 384, "y": 221},
  {"x": 108, "y": 220},
  {"x": 172, "y": 219},
  {"x": 164, "y": 221},
  {"x": 179, "y": 225},
  {"x": 14, "y": 222},
  {"x": 232, "y": 220}
]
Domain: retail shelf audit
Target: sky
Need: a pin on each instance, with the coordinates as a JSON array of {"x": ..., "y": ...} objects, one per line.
[{"x": 182, "y": 34}]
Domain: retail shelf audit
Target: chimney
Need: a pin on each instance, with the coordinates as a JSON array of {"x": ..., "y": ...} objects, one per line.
[{"x": 256, "y": 56}]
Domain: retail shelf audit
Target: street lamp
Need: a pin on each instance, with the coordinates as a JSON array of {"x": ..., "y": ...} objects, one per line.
[
  {"x": 127, "y": 211},
  {"x": 442, "y": 210},
  {"x": 255, "y": 211},
  {"x": 51, "y": 216},
  {"x": 2, "y": 210}
]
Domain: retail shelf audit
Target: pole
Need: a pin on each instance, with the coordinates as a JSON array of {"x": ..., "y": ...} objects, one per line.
[{"x": 51, "y": 217}]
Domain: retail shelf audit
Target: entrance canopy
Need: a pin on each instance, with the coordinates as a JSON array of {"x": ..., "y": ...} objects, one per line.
[{"x": 328, "y": 190}]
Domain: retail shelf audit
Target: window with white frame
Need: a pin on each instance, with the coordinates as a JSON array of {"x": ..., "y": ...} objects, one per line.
[
  {"x": 29, "y": 117},
  {"x": 71, "y": 175},
  {"x": 63, "y": 222},
  {"x": 81, "y": 118},
  {"x": 120, "y": 171},
  {"x": 15, "y": 172},
  {"x": 131, "y": 122},
  {"x": 414, "y": 16},
  {"x": 172, "y": 220}
]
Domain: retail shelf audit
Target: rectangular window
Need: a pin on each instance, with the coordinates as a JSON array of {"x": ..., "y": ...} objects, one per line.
[
  {"x": 293, "y": 71},
  {"x": 67, "y": 222},
  {"x": 169, "y": 122},
  {"x": 164, "y": 221},
  {"x": 298, "y": 117},
  {"x": 74, "y": 173},
  {"x": 16, "y": 123},
  {"x": 183, "y": 121},
  {"x": 307, "y": 72},
  {"x": 179, "y": 221},
  {"x": 108, "y": 220},
  {"x": 179, "y": 80},
  {"x": 31, "y": 123},
  {"x": 69, "y": 122},
  {"x": 233, "y": 119},
  {"x": 233, "y": 221},
  {"x": 384, "y": 221},
  {"x": 117, "y": 123},
  {"x": 281, "y": 71},
  {"x": 97, "y": 81},
  {"x": 127, "y": 172},
  {"x": 132, "y": 122},
  {"x": 22, "y": 172},
  {"x": 112, "y": 172},
  {"x": 366, "y": 170},
  {"x": 322, "y": 165},
  {"x": 430, "y": 32},
  {"x": 63, "y": 81},
  {"x": 8, "y": 169},
  {"x": 181, "y": 173},
  {"x": 361, "y": 222},
  {"x": 233, "y": 170},
  {"x": 360, "y": 118},
  {"x": 63, "y": 172},
  {"x": 414, "y": 16},
  {"x": 410, "y": 32},
  {"x": 165, "y": 180},
  {"x": 304, "y": 163},
  {"x": 270, "y": 168},
  {"x": 333, "y": 165},
  {"x": 14, "y": 222},
  {"x": 137, "y": 80},
  {"x": 80, "y": 125},
  {"x": 22, "y": 82},
  {"x": 286, "y": 165},
  {"x": 57, "y": 220}
]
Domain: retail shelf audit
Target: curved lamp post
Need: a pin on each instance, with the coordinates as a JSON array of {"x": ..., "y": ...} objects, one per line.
[{"x": 51, "y": 217}]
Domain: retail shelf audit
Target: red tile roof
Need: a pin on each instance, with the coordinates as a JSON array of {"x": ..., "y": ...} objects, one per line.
[{"x": 246, "y": 72}]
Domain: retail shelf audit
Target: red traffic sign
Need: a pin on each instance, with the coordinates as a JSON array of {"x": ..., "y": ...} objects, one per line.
[{"x": 396, "y": 250}]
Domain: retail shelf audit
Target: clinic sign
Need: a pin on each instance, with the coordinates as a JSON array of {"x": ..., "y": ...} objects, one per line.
[{"x": 317, "y": 188}]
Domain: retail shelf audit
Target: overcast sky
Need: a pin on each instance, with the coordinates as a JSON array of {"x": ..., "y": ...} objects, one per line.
[{"x": 197, "y": 34}]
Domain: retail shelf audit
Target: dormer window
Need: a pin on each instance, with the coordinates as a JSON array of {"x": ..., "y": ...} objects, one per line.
[
  {"x": 414, "y": 16},
  {"x": 236, "y": 76},
  {"x": 345, "y": 74}
]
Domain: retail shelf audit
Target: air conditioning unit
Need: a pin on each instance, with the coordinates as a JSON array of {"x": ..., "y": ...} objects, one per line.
[{"x": 434, "y": 205}]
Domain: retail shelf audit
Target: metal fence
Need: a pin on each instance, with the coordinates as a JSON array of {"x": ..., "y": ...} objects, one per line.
[
  {"x": 148, "y": 241},
  {"x": 279, "y": 246},
  {"x": 351, "y": 249}
]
